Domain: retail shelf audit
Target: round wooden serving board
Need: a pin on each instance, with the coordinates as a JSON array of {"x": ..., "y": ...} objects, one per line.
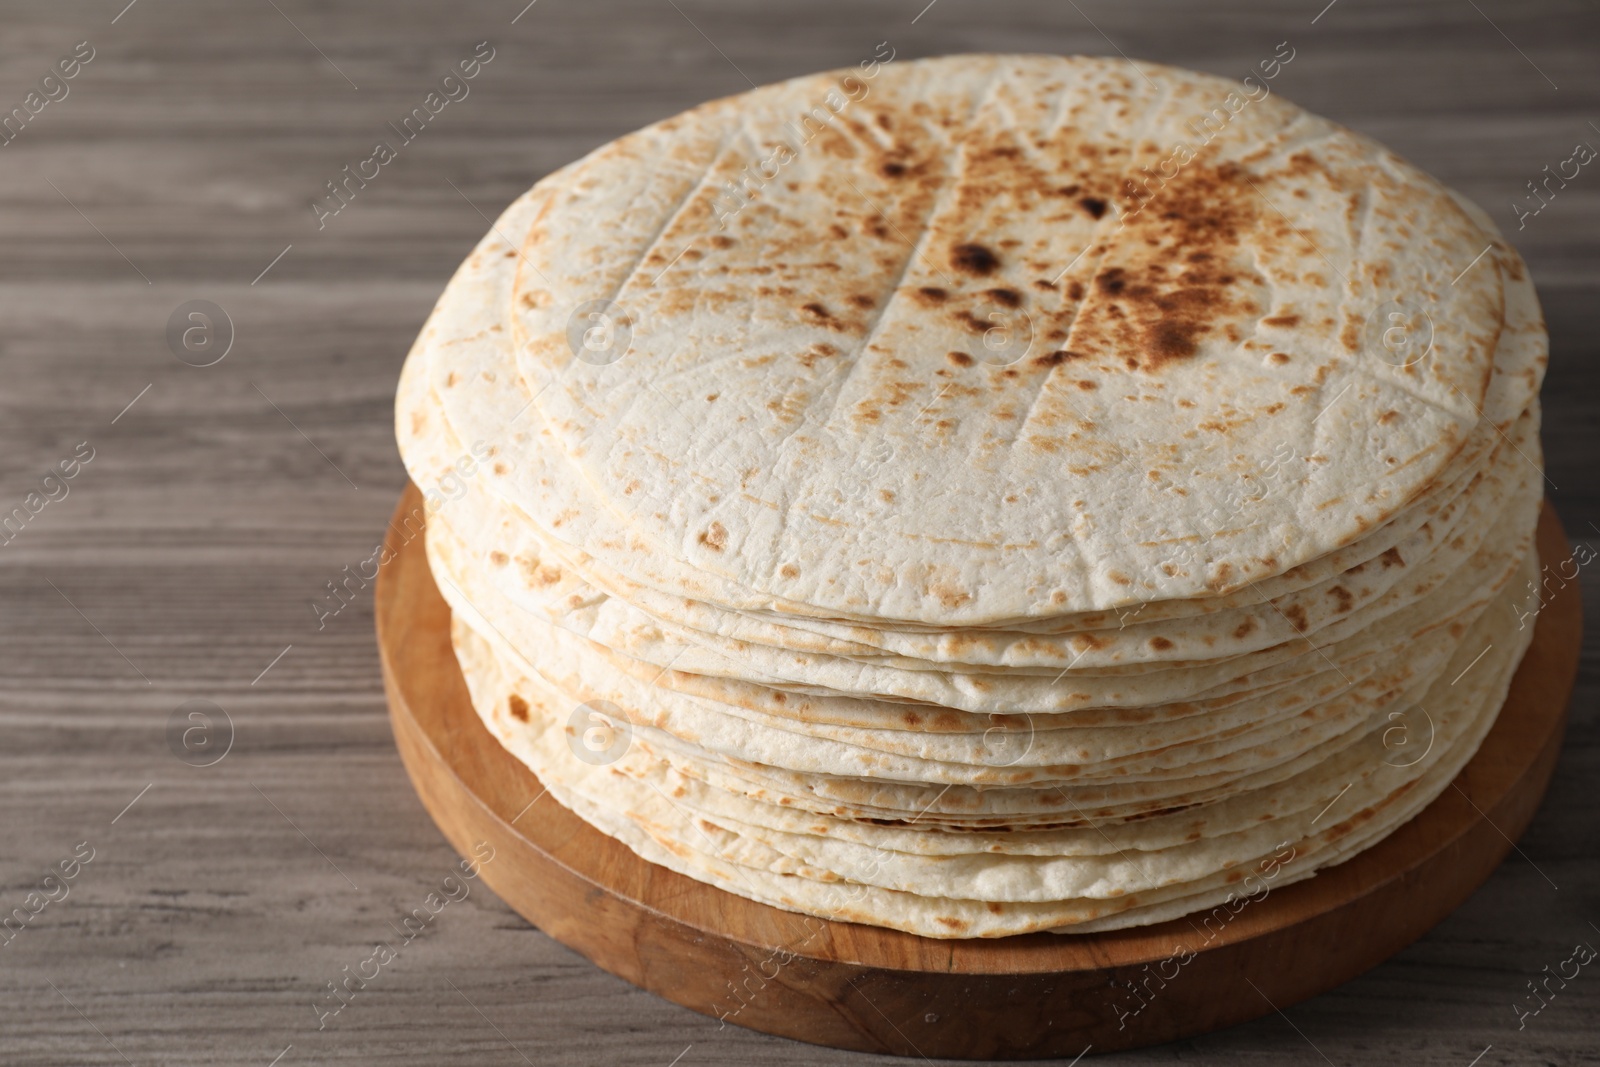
[{"x": 1035, "y": 996}]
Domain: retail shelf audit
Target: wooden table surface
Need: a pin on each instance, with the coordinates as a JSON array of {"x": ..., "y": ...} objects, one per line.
[{"x": 183, "y": 562}]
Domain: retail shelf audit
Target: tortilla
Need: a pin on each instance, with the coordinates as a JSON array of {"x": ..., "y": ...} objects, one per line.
[{"x": 1022, "y": 508}]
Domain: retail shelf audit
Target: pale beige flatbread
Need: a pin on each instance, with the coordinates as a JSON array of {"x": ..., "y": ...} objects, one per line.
[
  {"x": 901, "y": 626},
  {"x": 1119, "y": 876}
]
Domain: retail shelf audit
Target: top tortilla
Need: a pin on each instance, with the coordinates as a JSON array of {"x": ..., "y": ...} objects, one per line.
[{"x": 1186, "y": 338}]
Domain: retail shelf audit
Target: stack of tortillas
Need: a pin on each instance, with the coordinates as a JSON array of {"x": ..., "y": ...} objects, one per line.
[{"x": 987, "y": 494}]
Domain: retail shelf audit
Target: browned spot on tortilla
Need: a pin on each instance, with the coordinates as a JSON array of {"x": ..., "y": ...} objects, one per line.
[
  {"x": 862, "y": 300},
  {"x": 1160, "y": 644},
  {"x": 722, "y": 240},
  {"x": 498, "y": 558},
  {"x": 714, "y": 537},
  {"x": 971, "y": 321},
  {"x": 1343, "y": 596},
  {"x": 1056, "y": 358},
  {"x": 960, "y": 359},
  {"x": 1392, "y": 558},
  {"x": 933, "y": 294},
  {"x": 1350, "y": 336},
  {"x": 974, "y": 259},
  {"x": 1297, "y": 617},
  {"x": 789, "y": 570},
  {"x": 1094, "y": 206},
  {"x": 1387, "y": 417},
  {"x": 817, "y": 313},
  {"x": 1243, "y": 629},
  {"x": 893, "y": 169},
  {"x": 887, "y": 494},
  {"x": 1009, "y": 297},
  {"x": 1085, "y": 642},
  {"x": 1282, "y": 320},
  {"x": 518, "y": 706},
  {"x": 1177, "y": 277},
  {"x": 1279, "y": 357},
  {"x": 809, "y": 357}
]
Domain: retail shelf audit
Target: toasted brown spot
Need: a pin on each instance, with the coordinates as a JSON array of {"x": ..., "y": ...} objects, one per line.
[
  {"x": 971, "y": 321},
  {"x": 1392, "y": 558},
  {"x": 1282, "y": 320},
  {"x": 714, "y": 537},
  {"x": 960, "y": 359},
  {"x": 1094, "y": 206},
  {"x": 1279, "y": 357},
  {"x": 1297, "y": 617},
  {"x": 1055, "y": 359},
  {"x": 498, "y": 558},
  {"x": 974, "y": 259},
  {"x": 1009, "y": 297},
  {"x": 518, "y": 706},
  {"x": 1112, "y": 281},
  {"x": 892, "y": 169},
  {"x": 1160, "y": 644},
  {"x": 1173, "y": 340},
  {"x": 789, "y": 570},
  {"x": 1342, "y": 595},
  {"x": 933, "y": 294}
]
